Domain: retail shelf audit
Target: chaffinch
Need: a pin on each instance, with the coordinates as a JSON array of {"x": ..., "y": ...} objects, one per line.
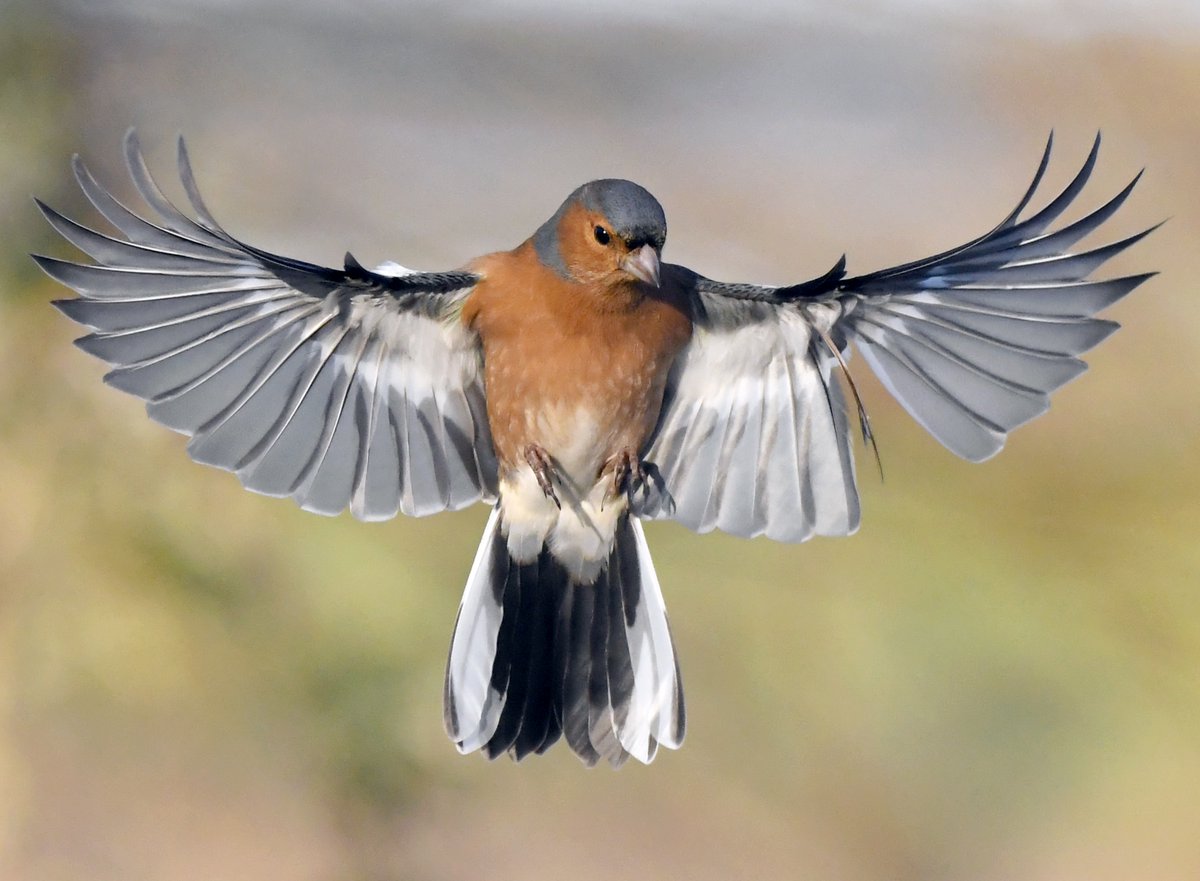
[{"x": 578, "y": 385}]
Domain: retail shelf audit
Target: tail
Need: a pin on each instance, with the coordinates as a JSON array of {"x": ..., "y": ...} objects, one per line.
[{"x": 537, "y": 655}]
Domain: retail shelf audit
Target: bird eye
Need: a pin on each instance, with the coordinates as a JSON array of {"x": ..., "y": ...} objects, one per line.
[{"x": 602, "y": 235}]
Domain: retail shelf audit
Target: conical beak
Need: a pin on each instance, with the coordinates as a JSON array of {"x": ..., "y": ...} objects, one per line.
[{"x": 643, "y": 264}]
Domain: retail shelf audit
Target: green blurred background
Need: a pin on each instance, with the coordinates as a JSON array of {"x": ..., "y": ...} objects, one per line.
[{"x": 997, "y": 678}]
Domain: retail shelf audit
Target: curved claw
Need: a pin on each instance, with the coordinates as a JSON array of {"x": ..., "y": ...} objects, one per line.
[
  {"x": 642, "y": 484},
  {"x": 543, "y": 469}
]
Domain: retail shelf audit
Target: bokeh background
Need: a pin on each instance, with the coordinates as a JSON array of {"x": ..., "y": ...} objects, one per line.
[{"x": 997, "y": 678}]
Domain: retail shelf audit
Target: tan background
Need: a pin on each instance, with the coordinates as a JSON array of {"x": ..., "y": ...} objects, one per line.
[{"x": 997, "y": 678}]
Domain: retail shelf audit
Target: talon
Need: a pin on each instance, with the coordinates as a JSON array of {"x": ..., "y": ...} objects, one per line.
[
  {"x": 543, "y": 469},
  {"x": 626, "y": 475},
  {"x": 641, "y": 482}
]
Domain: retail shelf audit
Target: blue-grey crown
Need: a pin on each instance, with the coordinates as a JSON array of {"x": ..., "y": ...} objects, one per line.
[
  {"x": 632, "y": 212},
  {"x": 635, "y": 215}
]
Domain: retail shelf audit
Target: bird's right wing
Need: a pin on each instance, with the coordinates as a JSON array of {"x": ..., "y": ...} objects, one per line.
[{"x": 336, "y": 387}]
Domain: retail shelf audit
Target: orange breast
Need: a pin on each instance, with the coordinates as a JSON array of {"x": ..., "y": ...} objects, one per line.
[{"x": 576, "y": 369}]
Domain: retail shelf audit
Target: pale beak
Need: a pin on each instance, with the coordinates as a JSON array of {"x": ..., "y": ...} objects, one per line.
[{"x": 643, "y": 264}]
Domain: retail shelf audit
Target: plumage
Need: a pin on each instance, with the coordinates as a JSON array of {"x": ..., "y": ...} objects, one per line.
[
  {"x": 579, "y": 385},
  {"x": 324, "y": 389}
]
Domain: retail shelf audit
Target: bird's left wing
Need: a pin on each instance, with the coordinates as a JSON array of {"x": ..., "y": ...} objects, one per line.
[
  {"x": 336, "y": 387},
  {"x": 754, "y": 438}
]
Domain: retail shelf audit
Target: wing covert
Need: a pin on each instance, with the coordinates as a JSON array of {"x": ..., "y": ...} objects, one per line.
[
  {"x": 753, "y": 437},
  {"x": 337, "y": 387}
]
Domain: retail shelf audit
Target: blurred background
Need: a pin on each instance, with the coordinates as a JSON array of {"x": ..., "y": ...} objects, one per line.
[{"x": 998, "y": 677}]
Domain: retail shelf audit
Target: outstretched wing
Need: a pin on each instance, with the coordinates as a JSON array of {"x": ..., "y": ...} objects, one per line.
[
  {"x": 753, "y": 437},
  {"x": 336, "y": 387}
]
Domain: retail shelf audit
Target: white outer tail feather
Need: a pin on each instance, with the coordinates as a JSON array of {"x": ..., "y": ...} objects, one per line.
[
  {"x": 655, "y": 670},
  {"x": 474, "y": 707}
]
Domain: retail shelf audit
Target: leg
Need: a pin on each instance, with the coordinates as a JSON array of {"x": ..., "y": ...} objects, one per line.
[
  {"x": 543, "y": 469},
  {"x": 624, "y": 471},
  {"x": 641, "y": 482}
]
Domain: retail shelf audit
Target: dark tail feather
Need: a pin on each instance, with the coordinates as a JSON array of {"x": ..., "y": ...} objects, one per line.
[
  {"x": 528, "y": 719},
  {"x": 537, "y": 655}
]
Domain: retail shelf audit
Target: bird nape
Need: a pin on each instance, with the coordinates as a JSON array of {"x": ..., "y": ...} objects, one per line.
[{"x": 578, "y": 385}]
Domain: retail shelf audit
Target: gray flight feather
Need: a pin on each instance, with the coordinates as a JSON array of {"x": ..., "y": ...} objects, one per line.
[
  {"x": 337, "y": 387},
  {"x": 753, "y": 436}
]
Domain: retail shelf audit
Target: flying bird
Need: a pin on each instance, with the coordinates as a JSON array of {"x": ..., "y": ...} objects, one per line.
[{"x": 578, "y": 384}]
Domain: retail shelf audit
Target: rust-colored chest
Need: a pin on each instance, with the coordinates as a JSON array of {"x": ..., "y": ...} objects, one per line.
[{"x": 577, "y": 369}]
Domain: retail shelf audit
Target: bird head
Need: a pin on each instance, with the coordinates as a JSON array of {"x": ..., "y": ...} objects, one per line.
[{"x": 610, "y": 231}]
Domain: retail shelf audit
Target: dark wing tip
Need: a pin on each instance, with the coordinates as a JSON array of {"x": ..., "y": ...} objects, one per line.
[
  {"x": 1137, "y": 237},
  {"x": 813, "y": 287},
  {"x": 46, "y": 264},
  {"x": 1043, "y": 164},
  {"x": 1071, "y": 190},
  {"x": 354, "y": 269},
  {"x": 75, "y": 309},
  {"x": 46, "y": 211}
]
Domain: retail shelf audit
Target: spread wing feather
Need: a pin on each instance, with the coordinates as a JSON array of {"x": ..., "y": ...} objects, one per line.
[
  {"x": 337, "y": 387},
  {"x": 753, "y": 437}
]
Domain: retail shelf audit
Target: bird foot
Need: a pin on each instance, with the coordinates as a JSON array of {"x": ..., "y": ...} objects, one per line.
[
  {"x": 543, "y": 469},
  {"x": 641, "y": 482},
  {"x": 623, "y": 470}
]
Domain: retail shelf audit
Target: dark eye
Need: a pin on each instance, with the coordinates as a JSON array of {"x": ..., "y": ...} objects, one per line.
[{"x": 602, "y": 235}]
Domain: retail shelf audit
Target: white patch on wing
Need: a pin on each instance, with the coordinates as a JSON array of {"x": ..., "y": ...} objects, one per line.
[
  {"x": 399, "y": 424},
  {"x": 336, "y": 394},
  {"x": 753, "y": 438},
  {"x": 438, "y": 422},
  {"x": 362, "y": 400},
  {"x": 394, "y": 269}
]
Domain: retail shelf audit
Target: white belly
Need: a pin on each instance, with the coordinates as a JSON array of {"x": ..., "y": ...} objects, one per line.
[{"x": 580, "y": 533}]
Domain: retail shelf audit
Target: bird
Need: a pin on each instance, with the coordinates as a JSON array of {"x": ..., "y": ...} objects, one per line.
[{"x": 579, "y": 385}]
